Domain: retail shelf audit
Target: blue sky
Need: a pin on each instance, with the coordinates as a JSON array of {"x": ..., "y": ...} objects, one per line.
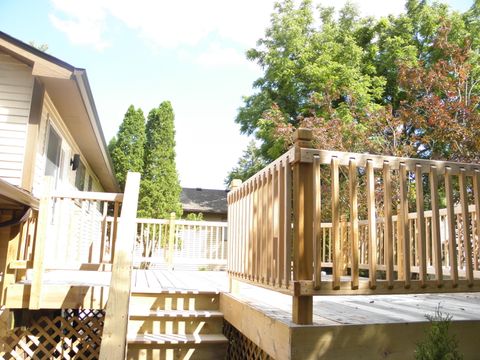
[{"x": 146, "y": 51}]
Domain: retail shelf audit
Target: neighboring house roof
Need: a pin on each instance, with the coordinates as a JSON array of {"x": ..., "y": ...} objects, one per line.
[
  {"x": 70, "y": 91},
  {"x": 204, "y": 200}
]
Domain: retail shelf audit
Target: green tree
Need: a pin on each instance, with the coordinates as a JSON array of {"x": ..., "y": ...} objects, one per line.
[
  {"x": 127, "y": 148},
  {"x": 160, "y": 188},
  {"x": 248, "y": 165},
  {"x": 347, "y": 78},
  {"x": 309, "y": 72}
]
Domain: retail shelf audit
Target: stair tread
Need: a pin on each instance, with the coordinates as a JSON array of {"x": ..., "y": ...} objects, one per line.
[
  {"x": 176, "y": 339},
  {"x": 175, "y": 313}
]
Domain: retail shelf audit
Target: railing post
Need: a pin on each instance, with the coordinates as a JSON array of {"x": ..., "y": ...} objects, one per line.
[
  {"x": 171, "y": 239},
  {"x": 303, "y": 206},
  {"x": 116, "y": 313},
  {"x": 232, "y": 284},
  {"x": 40, "y": 242}
]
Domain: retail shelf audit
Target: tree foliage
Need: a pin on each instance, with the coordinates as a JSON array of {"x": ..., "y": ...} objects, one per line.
[
  {"x": 160, "y": 188},
  {"x": 127, "y": 148},
  {"x": 395, "y": 85},
  {"x": 248, "y": 165}
]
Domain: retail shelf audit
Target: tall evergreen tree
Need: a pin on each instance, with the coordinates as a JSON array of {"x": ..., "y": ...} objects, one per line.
[
  {"x": 160, "y": 188},
  {"x": 126, "y": 149}
]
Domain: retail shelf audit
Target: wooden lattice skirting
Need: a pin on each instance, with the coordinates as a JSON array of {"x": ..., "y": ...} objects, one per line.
[
  {"x": 241, "y": 347},
  {"x": 75, "y": 334}
]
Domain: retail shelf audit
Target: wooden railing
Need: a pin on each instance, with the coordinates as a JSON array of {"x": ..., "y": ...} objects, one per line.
[
  {"x": 73, "y": 233},
  {"x": 319, "y": 222},
  {"x": 18, "y": 224},
  {"x": 173, "y": 242}
]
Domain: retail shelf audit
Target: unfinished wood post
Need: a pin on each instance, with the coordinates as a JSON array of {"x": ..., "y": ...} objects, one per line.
[
  {"x": 171, "y": 239},
  {"x": 302, "y": 306},
  {"x": 232, "y": 283},
  {"x": 40, "y": 242},
  {"x": 344, "y": 245},
  {"x": 116, "y": 313}
]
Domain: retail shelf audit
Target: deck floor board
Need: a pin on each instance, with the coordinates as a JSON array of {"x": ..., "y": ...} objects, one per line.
[{"x": 328, "y": 310}]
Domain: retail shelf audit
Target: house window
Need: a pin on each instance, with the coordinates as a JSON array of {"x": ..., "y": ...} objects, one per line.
[
  {"x": 90, "y": 183},
  {"x": 54, "y": 144},
  {"x": 80, "y": 177}
]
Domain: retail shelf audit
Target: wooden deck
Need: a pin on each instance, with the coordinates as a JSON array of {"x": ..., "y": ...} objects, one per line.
[
  {"x": 372, "y": 324},
  {"x": 328, "y": 310}
]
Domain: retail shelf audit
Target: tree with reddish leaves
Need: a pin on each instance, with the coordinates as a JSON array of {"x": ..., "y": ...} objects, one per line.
[{"x": 439, "y": 113}]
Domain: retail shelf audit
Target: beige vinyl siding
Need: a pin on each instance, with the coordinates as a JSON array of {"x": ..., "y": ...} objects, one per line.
[
  {"x": 51, "y": 116},
  {"x": 16, "y": 86}
]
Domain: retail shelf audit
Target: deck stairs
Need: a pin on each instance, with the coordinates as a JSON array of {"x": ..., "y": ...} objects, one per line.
[{"x": 176, "y": 324}]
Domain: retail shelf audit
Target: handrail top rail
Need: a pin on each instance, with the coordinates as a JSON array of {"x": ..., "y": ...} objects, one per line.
[
  {"x": 289, "y": 156},
  {"x": 17, "y": 194},
  {"x": 325, "y": 157},
  {"x": 306, "y": 155},
  {"x": 182, "y": 222},
  {"x": 88, "y": 195}
]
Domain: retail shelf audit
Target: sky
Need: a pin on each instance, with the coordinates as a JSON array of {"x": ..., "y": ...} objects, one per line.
[{"x": 189, "y": 52}]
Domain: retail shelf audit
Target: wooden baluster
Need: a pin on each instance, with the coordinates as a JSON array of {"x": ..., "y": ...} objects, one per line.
[
  {"x": 476, "y": 194},
  {"x": 288, "y": 223},
  {"x": 428, "y": 239},
  {"x": 276, "y": 230},
  {"x": 280, "y": 224},
  {"x": 263, "y": 264},
  {"x": 437, "y": 245},
  {"x": 258, "y": 232},
  {"x": 116, "y": 207},
  {"x": 354, "y": 230},
  {"x": 421, "y": 248},
  {"x": 251, "y": 222},
  {"x": 372, "y": 226},
  {"x": 452, "y": 242},
  {"x": 104, "y": 232},
  {"x": 466, "y": 227},
  {"x": 388, "y": 226},
  {"x": 337, "y": 246},
  {"x": 269, "y": 237},
  {"x": 317, "y": 220}
]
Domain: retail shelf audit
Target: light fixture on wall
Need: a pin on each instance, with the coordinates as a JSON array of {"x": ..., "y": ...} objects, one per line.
[{"x": 75, "y": 161}]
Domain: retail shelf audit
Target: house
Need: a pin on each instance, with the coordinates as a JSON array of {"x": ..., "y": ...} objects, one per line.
[
  {"x": 68, "y": 290},
  {"x": 212, "y": 204},
  {"x": 51, "y": 142},
  {"x": 49, "y": 125}
]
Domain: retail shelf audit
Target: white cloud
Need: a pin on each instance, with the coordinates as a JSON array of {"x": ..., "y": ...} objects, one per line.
[
  {"x": 83, "y": 24},
  {"x": 217, "y": 55},
  {"x": 176, "y": 24}
]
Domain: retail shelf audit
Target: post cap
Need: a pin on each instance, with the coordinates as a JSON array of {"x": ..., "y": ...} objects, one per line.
[
  {"x": 235, "y": 183},
  {"x": 303, "y": 137}
]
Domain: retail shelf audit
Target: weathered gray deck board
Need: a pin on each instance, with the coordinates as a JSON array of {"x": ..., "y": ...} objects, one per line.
[{"x": 328, "y": 310}]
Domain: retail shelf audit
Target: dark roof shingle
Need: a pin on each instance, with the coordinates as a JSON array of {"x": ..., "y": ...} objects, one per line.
[{"x": 204, "y": 200}]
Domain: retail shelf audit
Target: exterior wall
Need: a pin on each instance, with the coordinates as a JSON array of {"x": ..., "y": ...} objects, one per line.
[
  {"x": 66, "y": 176},
  {"x": 16, "y": 85},
  {"x": 208, "y": 216}
]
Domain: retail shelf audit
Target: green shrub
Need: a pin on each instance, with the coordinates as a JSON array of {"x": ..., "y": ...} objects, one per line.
[{"x": 438, "y": 344}]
